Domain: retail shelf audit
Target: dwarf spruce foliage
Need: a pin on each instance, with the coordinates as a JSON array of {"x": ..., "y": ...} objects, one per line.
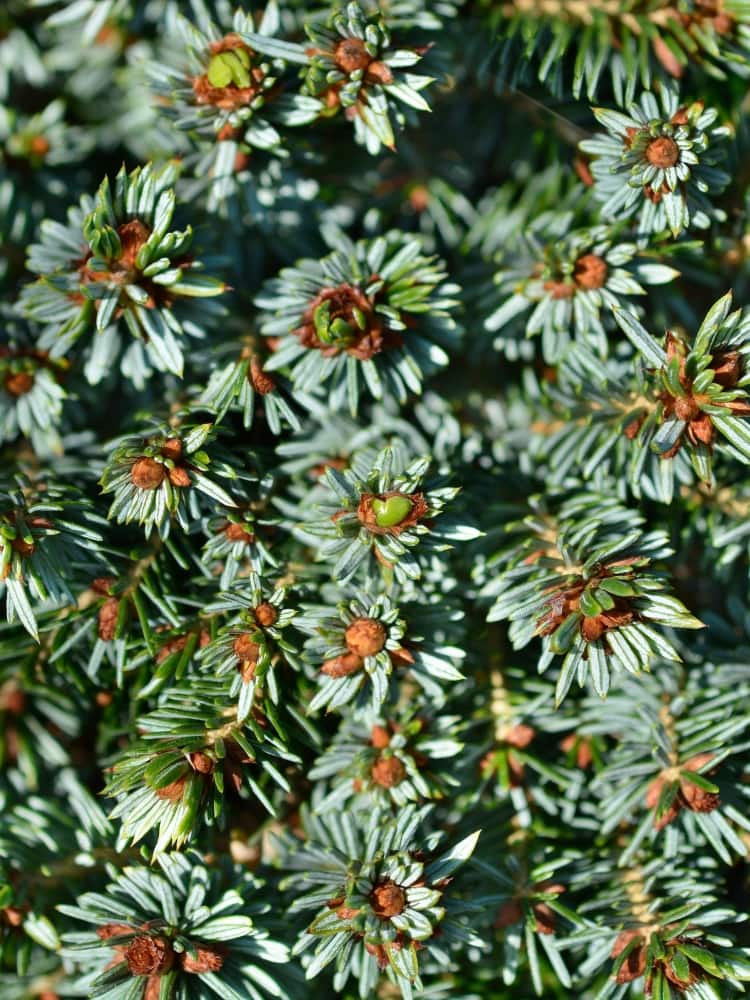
[{"x": 374, "y": 499}]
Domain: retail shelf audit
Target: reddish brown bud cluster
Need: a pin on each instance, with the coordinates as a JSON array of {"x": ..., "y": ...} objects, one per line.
[
  {"x": 230, "y": 97},
  {"x": 344, "y": 302},
  {"x": 152, "y": 955},
  {"x": 589, "y": 273},
  {"x": 699, "y": 430},
  {"x": 689, "y": 795},
  {"x": 351, "y": 56},
  {"x": 634, "y": 965},
  {"x": 124, "y": 270},
  {"x": 148, "y": 474},
  {"x": 563, "y": 603}
]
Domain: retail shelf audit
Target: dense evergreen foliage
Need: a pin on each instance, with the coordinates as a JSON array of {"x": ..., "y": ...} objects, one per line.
[{"x": 374, "y": 499}]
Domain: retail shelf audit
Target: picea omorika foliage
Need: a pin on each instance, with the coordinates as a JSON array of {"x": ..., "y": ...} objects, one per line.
[{"x": 374, "y": 499}]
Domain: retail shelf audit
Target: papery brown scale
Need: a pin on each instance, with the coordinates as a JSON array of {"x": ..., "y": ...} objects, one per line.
[
  {"x": 174, "y": 791},
  {"x": 342, "y": 666},
  {"x": 635, "y": 964},
  {"x": 178, "y": 476},
  {"x": 204, "y": 959},
  {"x": 260, "y": 380},
  {"x": 107, "y": 619}
]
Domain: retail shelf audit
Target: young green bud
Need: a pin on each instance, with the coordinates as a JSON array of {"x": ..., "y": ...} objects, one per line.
[{"x": 390, "y": 512}]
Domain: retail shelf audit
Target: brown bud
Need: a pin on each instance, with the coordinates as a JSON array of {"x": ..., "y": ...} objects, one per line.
[
  {"x": 246, "y": 649},
  {"x": 342, "y": 666},
  {"x": 632, "y": 428},
  {"x": 666, "y": 57},
  {"x": 419, "y": 197},
  {"x": 582, "y": 747},
  {"x": 387, "y": 900},
  {"x": 266, "y": 614},
  {"x": 590, "y": 272},
  {"x": 365, "y": 637},
  {"x": 581, "y": 168},
  {"x": 653, "y": 794},
  {"x": 149, "y": 956},
  {"x": 727, "y": 368},
  {"x": 698, "y": 799},
  {"x": 172, "y": 449},
  {"x": 12, "y": 916},
  {"x": 238, "y": 532},
  {"x": 147, "y": 474},
  {"x": 685, "y": 408},
  {"x": 662, "y": 152},
  {"x": 178, "y": 476},
  {"x": 201, "y": 762},
  {"x": 380, "y": 737},
  {"x": 12, "y": 699},
  {"x": 108, "y": 614},
  {"x": 18, "y": 383},
  {"x": 388, "y": 772},
  {"x": 350, "y": 55}
]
